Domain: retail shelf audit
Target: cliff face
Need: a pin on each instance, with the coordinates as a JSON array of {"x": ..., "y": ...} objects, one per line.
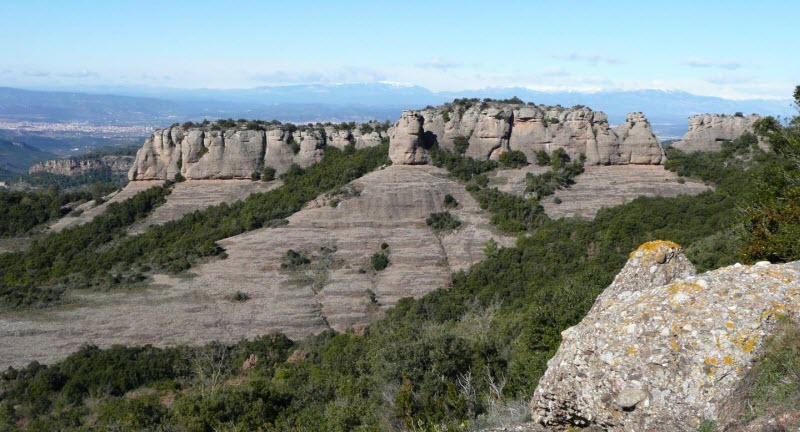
[
  {"x": 407, "y": 140},
  {"x": 203, "y": 153},
  {"x": 708, "y": 131},
  {"x": 69, "y": 167},
  {"x": 664, "y": 348},
  {"x": 492, "y": 128}
]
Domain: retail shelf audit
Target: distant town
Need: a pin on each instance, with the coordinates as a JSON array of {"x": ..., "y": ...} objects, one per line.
[{"x": 77, "y": 128}]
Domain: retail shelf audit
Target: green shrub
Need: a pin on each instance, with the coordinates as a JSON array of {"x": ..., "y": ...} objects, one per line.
[
  {"x": 255, "y": 176},
  {"x": 547, "y": 183},
  {"x": 294, "y": 260},
  {"x": 450, "y": 202},
  {"x": 294, "y": 145},
  {"x": 513, "y": 159},
  {"x": 542, "y": 158},
  {"x": 240, "y": 296},
  {"x": 379, "y": 261},
  {"x": 460, "y": 144},
  {"x": 443, "y": 221},
  {"x": 268, "y": 174}
]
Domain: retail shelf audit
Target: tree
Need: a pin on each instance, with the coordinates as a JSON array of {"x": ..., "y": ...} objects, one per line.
[
  {"x": 513, "y": 159},
  {"x": 772, "y": 222},
  {"x": 542, "y": 158}
]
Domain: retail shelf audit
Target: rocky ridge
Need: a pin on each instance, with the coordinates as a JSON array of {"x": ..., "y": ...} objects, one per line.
[
  {"x": 707, "y": 132},
  {"x": 209, "y": 152},
  {"x": 491, "y": 128},
  {"x": 664, "y": 348},
  {"x": 72, "y": 166}
]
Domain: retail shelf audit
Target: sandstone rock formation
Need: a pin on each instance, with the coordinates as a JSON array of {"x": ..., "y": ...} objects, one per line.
[
  {"x": 637, "y": 143},
  {"x": 494, "y": 127},
  {"x": 406, "y": 143},
  {"x": 663, "y": 348},
  {"x": 207, "y": 152},
  {"x": 708, "y": 131},
  {"x": 74, "y": 166}
]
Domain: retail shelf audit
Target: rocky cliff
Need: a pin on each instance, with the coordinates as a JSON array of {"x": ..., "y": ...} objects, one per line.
[
  {"x": 211, "y": 152},
  {"x": 490, "y": 128},
  {"x": 708, "y": 131},
  {"x": 663, "y": 348},
  {"x": 69, "y": 167}
]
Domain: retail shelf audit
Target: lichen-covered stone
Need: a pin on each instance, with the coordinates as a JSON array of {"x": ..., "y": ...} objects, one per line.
[{"x": 662, "y": 348}]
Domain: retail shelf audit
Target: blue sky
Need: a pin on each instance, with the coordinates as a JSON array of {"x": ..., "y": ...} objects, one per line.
[{"x": 733, "y": 49}]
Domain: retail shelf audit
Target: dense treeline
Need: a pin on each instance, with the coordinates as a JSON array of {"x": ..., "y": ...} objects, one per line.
[
  {"x": 99, "y": 254},
  {"x": 73, "y": 257},
  {"x": 458, "y": 358},
  {"x": 22, "y": 211}
]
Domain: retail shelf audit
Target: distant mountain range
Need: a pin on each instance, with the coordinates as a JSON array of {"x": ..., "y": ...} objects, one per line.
[{"x": 666, "y": 110}]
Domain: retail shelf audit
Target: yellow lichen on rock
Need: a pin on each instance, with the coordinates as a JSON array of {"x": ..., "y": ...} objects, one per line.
[{"x": 651, "y": 247}]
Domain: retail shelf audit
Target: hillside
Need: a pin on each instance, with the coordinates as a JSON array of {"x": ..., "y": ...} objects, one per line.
[
  {"x": 415, "y": 293},
  {"x": 17, "y": 157}
]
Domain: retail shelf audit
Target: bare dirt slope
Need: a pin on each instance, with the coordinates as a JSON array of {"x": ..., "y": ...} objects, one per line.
[
  {"x": 600, "y": 186},
  {"x": 336, "y": 290},
  {"x": 193, "y": 195}
]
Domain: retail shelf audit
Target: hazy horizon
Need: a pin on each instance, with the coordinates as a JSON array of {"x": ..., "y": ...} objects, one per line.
[{"x": 567, "y": 46}]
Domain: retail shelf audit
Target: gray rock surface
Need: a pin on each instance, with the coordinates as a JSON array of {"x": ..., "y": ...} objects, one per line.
[
  {"x": 74, "y": 166},
  {"x": 338, "y": 292},
  {"x": 406, "y": 144},
  {"x": 599, "y": 187},
  {"x": 637, "y": 142},
  {"x": 494, "y": 127},
  {"x": 662, "y": 349},
  {"x": 708, "y": 131},
  {"x": 201, "y": 152}
]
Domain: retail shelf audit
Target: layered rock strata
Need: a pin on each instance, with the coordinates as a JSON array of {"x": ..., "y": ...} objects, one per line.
[
  {"x": 493, "y": 128},
  {"x": 707, "y": 132},
  {"x": 238, "y": 152},
  {"x": 70, "y": 167},
  {"x": 663, "y": 348}
]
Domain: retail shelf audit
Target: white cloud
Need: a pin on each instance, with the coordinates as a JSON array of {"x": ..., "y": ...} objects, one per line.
[
  {"x": 80, "y": 74},
  {"x": 588, "y": 58},
  {"x": 348, "y": 74},
  {"x": 438, "y": 64},
  {"x": 555, "y": 72},
  {"x": 696, "y": 62}
]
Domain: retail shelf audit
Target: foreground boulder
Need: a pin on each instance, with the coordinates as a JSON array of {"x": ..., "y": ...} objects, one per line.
[
  {"x": 488, "y": 129},
  {"x": 663, "y": 349},
  {"x": 707, "y": 132}
]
